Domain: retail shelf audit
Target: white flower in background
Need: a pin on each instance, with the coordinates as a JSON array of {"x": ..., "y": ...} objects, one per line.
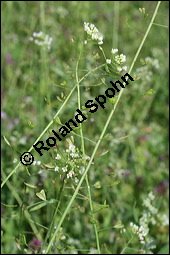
[
  {"x": 76, "y": 180},
  {"x": 93, "y": 32},
  {"x": 113, "y": 51},
  {"x": 56, "y": 169},
  {"x": 82, "y": 170},
  {"x": 61, "y": 11},
  {"x": 15, "y": 160},
  {"x": 42, "y": 39},
  {"x": 151, "y": 195},
  {"x": 108, "y": 61},
  {"x": 38, "y": 163},
  {"x": 58, "y": 156},
  {"x": 85, "y": 41}
]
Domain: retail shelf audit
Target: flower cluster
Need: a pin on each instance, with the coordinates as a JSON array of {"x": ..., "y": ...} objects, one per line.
[
  {"x": 42, "y": 39},
  {"x": 119, "y": 60},
  {"x": 93, "y": 32},
  {"x": 139, "y": 231},
  {"x": 149, "y": 216},
  {"x": 73, "y": 163},
  {"x": 148, "y": 205}
]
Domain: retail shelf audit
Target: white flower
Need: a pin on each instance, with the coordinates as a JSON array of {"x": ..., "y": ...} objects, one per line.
[
  {"x": 38, "y": 162},
  {"x": 64, "y": 169},
  {"x": 124, "y": 68},
  {"x": 151, "y": 195},
  {"x": 93, "y": 32},
  {"x": 72, "y": 147},
  {"x": 15, "y": 160},
  {"x": 70, "y": 174},
  {"x": 108, "y": 61},
  {"x": 119, "y": 69},
  {"x": 101, "y": 42},
  {"x": 82, "y": 170},
  {"x": 56, "y": 169},
  {"x": 120, "y": 59},
  {"x": 85, "y": 41},
  {"x": 42, "y": 39},
  {"x": 113, "y": 51},
  {"x": 58, "y": 156}
]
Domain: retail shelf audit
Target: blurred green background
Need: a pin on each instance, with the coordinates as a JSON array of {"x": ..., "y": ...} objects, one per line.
[{"x": 35, "y": 83}]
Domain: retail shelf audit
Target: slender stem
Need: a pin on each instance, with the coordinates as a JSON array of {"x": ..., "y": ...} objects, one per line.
[
  {"x": 51, "y": 122},
  {"x": 115, "y": 25},
  {"x": 54, "y": 216},
  {"x": 101, "y": 136},
  {"x": 84, "y": 154}
]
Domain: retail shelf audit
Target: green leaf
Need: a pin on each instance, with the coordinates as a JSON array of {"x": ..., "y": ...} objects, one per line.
[
  {"x": 31, "y": 125},
  {"x": 30, "y": 185},
  {"x": 47, "y": 100},
  {"x": 113, "y": 99},
  {"x": 93, "y": 221},
  {"x": 106, "y": 136},
  {"x": 114, "y": 183},
  {"x": 23, "y": 239},
  {"x": 64, "y": 83},
  {"x": 57, "y": 120},
  {"x": 9, "y": 205},
  {"x": 41, "y": 195},
  {"x": 150, "y": 92},
  {"x": 37, "y": 207},
  {"x": 49, "y": 166},
  {"x": 118, "y": 225},
  {"x": 97, "y": 185},
  {"x": 6, "y": 141},
  {"x": 104, "y": 153}
]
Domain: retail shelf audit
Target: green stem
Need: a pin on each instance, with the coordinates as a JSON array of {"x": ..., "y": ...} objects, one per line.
[
  {"x": 84, "y": 154},
  {"x": 101, "y": 137},
  {"x": 54, "y": 216},
  {"x": 115, "y": 25}
]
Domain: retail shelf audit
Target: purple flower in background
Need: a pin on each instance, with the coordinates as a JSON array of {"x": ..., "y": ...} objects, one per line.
[
  {"x": 3, "y": 115},
  {"x": 35, "y": 244},
  {"x": 10, "y": 126},
  {"x": 127, "y": 172},
  {"x": 146, "y": 153},
  {"x": 16, "y": 121},
  {"x": 9, "y": 60},
  {"x": 161, "y": 188},
  {"x": 162, "y": 157}
]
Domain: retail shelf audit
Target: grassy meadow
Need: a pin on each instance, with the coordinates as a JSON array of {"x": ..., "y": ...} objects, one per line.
[{"x": 104, "y": 187}]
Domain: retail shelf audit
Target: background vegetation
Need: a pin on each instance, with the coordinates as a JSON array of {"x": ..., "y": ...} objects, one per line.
[{"x": 132, "y": 159}]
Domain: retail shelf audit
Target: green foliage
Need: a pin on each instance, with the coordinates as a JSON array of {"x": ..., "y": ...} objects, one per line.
[{"x": 46, "y": 76}]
